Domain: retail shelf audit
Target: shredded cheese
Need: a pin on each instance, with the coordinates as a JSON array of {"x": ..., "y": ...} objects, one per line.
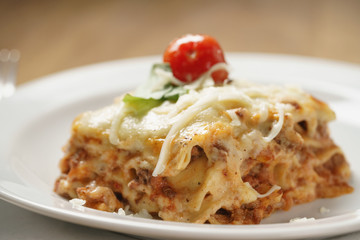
[
  {"x": 165, "y": 78},
  {"x": 263, "y": 112},
  {"x": 235, "y": 121},
  {"x": 212, "y": 97},
  {"x": 270, "y": 191},
  {"x": 200, "y": 98},
  {"x": 186, "y": 116},
  {"x": 205, "y": 80},
  {"x": 278, "y": 125},
  {"x": 114, "y": 129}
]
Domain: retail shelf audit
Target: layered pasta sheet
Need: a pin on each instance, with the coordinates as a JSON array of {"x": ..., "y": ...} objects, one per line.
[{"x": 229, "y": 154}]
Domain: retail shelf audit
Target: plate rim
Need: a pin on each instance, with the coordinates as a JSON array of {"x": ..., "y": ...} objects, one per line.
[{"x": 331, "y": 226}]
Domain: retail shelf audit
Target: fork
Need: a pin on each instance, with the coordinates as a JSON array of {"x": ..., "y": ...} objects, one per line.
[{"x": 8, "y": 68}]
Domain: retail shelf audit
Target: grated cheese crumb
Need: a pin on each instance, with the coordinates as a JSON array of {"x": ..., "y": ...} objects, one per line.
[
  {"x": 78, "y": 203},
  {"x": 324, "y": 210},
  {"x": 143, "y": 213},
  {"x": 121, "y": 212}
]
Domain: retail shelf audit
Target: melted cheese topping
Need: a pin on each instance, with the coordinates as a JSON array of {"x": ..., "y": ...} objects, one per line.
[{"x": 266, "y": 104}]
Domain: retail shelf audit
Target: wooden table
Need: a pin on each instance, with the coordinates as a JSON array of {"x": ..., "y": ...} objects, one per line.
[{"x": 57, "y": 35}]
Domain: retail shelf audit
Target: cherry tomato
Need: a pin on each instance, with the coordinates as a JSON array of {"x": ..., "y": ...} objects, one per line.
[{"x": 192, "y": 55}]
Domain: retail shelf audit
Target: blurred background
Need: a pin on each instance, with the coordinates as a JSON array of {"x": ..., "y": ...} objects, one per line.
[{"x": 57, "y": 35}]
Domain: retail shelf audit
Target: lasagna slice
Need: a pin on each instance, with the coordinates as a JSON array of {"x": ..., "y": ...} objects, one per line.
[
  {"x": 229, "y": 154},
  {"x": 190, "y": 145}
]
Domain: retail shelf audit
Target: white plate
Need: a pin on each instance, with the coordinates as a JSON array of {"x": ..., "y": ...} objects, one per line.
[{"x": 35, "y": 124}]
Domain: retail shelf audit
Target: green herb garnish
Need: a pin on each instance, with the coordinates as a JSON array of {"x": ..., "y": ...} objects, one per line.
[
  {"x": 147, "y": 99},
  {"x": 139, "y": 105}
]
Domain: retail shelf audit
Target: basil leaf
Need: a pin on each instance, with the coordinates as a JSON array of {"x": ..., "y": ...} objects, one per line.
[
  {"x": 174, "y": 92},
  {"x": 147, "y": 97},
  {"x": 140, "y": 106}
]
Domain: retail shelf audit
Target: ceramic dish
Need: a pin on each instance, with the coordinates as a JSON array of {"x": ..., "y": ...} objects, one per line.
[{"x": 35, "y": 124}]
